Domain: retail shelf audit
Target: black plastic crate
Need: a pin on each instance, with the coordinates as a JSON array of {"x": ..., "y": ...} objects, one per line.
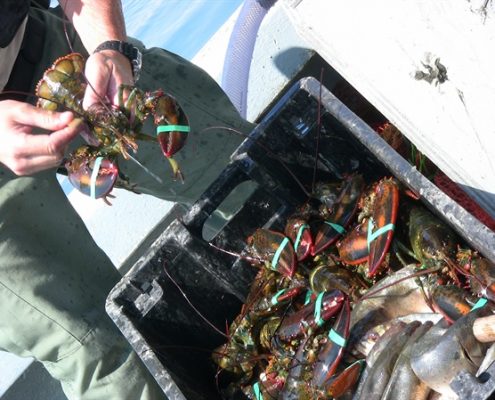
[{"x": 172, "y": 339}]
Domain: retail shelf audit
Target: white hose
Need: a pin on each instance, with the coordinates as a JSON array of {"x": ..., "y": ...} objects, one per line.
[{"x": 240, "y": 51}]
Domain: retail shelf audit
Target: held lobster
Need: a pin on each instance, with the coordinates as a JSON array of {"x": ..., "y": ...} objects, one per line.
[{"x": 110, "y": 130}]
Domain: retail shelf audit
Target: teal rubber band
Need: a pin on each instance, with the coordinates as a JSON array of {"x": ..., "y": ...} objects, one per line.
[
  {"x": 299, "y": 235},
  {"x": 94, "y": 177},
  {"x": 257, "y": 391},
  {"x": 380, "y": 231},
  {"x": 274, "y": 299},
  {"x": 308, "y": 297},
  {"x": 339, "y": 228},
  {"x": 317, "y": 312},
  {"x": 173, "y": 128},
  {"x": 336, "y": 338},
  {"x": 278, "y": 253},
  {"x": 480, "y": 303}
]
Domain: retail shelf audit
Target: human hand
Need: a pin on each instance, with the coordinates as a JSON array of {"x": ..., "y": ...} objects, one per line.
[
  {"x": 106, "y": 71},
  {"x": 25, "y": 152}
]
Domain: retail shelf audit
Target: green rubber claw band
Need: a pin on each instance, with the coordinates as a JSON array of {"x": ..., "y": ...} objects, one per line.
[
  {"x": 339, "y": 228},
  {"x": 257, "y": 391},
  {"x": 308, "y": 297},
  {"x": 94, "y": 177},
  {"x": 274, "y": 299},
  {"x": 299, "y": 235},
  {"x": 336, "y": 338},
  {"x": 278, "y": 253},
  {"x": 380, "y": 231},
  {"x": 173, "y": 128},
  {"x": 480, "y": 303},
  {"x": 317, "y": 313}
]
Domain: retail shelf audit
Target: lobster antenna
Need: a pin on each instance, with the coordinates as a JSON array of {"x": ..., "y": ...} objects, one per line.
[
  {"x": 148, "y": 171},
  {"x": 192, "y": 305},
  {"x": 231, "y": 253},
  {"x": 404, "y": 278}
]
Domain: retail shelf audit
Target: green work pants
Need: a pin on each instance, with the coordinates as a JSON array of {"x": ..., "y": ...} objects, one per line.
[{"x": 54, "y": 280}]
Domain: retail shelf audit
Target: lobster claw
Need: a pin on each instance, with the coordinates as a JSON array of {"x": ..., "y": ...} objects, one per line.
[
  {"x": 276, "y": 249},
  {"x": 91, "y": 175},
  {"x": 312, "y": 315},
  {"x": 326, "y": 232},
  {"x": 353, "y": 248},
  {"x": 172, "y": 126},
  {"x": 451, "y": 301},
  {"x": 299, "y": 233},
  {"x": 382, "y": 223},
  {"x": 344, "y": 381},
  {"x": 329, "y": 357}
]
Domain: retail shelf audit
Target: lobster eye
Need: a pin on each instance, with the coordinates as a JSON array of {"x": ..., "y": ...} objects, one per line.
[{"x": 94, "y": 178}]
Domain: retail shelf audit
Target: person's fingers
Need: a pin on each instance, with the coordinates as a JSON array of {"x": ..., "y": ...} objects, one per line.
[
  {"x": 31, "y": 165},
  {"x": 60, "y": 139},
  {"x": 52, "y": 144},
  {"x": 98, "y": 74},
  {"x": 106, "y": 71},
  {"x": 37, "y": 117}
]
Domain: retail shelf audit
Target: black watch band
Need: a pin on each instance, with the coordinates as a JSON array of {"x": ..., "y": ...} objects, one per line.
[{"x": 126, "y": 49}]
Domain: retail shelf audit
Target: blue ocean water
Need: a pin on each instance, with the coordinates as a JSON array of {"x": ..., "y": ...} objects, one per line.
[{"x": 180, "y": 26}]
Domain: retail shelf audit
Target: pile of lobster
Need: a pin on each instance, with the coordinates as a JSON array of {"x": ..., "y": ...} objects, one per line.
[{"x": 358, "y": 300}]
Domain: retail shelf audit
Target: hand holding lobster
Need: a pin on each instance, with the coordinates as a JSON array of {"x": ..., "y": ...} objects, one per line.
[
  {"x": 26, "y": 153},
  {"x": 111, "y": 130},
  {"x": 105, "y": 71}
]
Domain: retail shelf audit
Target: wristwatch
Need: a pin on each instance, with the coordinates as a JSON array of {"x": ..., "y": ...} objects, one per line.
[{"x": 127, "y": 49}]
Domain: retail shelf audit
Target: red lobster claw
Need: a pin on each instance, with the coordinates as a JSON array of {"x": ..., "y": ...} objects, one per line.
[
  {"x": 344, "y": 381},
  {"x": 93, "y": 176},
  {"x": 312, "y": 315},
  {"x": 382, "y": 223},
  {"x": 171, "y": 121},
  {"x": 298, "y": 231},
  {"x": 172, "y": 126},
  {"x": 326, "y": 232},
  {"x": 353, "y": 248},
  {"x": 329, "y": 357}
]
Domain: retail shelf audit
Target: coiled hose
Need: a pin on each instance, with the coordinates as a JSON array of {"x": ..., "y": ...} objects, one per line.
[{"x": 240, "y": 51}]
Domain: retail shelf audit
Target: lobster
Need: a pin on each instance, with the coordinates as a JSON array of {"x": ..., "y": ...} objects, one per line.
[{"x": 110, "y": 131}]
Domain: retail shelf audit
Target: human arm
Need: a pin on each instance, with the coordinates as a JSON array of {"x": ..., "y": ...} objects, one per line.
[
  {"x": 22, "y": 151},
  {"x": 96, "y": 22}
]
